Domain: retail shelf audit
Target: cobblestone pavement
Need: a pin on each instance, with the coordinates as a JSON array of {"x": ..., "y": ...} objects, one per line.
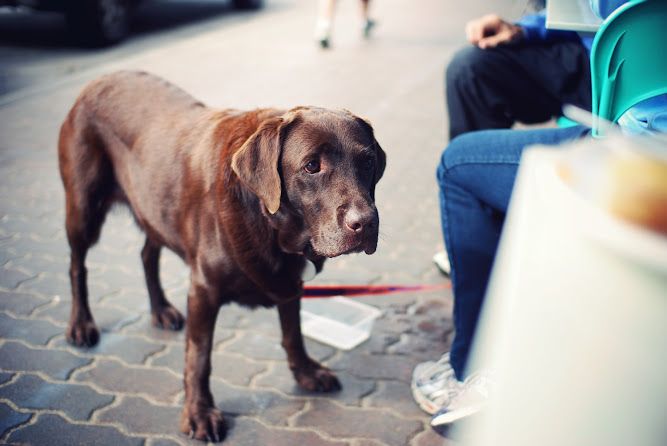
[{"x": 128, "y": 389}]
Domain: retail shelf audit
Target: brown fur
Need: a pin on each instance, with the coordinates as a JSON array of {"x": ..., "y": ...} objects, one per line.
[{"x": 243, "y": 197}]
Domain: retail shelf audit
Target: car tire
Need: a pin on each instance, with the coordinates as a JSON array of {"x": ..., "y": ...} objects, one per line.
[
  {"x": 248, "y": 4},
  {"x": 99, "y": 22}
]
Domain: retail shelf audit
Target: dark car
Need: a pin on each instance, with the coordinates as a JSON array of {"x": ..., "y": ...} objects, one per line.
[{"x": 100, "y": 22}]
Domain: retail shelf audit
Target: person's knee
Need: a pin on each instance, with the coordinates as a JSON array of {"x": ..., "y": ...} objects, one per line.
[
  {"x": 464, "y": 64},
  {"x": 455, "y": 155}
]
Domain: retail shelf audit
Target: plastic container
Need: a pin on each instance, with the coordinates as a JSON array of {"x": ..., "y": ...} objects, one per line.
[{"x": 337, "y": 321}]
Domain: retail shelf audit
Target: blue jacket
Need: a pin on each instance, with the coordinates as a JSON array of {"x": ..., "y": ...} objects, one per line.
[{"x": 646, "y": 117}]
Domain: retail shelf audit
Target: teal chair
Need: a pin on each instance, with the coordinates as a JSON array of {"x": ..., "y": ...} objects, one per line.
[{"x": 629, "y": 59}]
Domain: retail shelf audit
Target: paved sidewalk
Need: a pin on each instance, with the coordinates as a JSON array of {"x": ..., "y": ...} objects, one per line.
[{"x": 128, "y": 389}]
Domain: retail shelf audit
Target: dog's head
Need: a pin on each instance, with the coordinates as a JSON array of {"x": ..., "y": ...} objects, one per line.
[{"x": 315, "y": 172}]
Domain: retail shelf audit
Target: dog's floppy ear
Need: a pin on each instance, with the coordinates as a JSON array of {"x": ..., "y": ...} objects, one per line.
[
  {"x": 381, "y": 155},
  {"x": 256, "y": 163}
]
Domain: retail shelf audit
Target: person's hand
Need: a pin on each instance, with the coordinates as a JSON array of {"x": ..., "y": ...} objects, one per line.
[{"x": 490, "y": 31}]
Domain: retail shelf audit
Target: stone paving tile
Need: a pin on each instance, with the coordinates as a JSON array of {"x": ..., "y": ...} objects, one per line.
[
  {"x": 268, "y": 406},
  {"x": 57, "y": 364},
  {"x": 113, "y": 376},
  {"x": 14, "y": 223},
  {"x": 145, "y": 328},
  {"x": 236, "y": 316},
  {"x": 129, "y": 298},
  {"x": 76, "y": 401},
  {"x": 10, "y": 418},
  {"x": 108, "y": 319},
  {"x": 280, "y": 378},
  {"x": 246, "y": 431},
  {"x": 257, "y": 346},
  {"x": 33, "y": 331},
  {"x": 53, "y": 430},
  {"x": 358, "y": 423},
  {"x": 23, "y": 243},
  {"x": 167, "y": 442},
  {"x": 11, "y": 278},
  {"x": 7, "y": 256},
  {"x": 137, "y": 416},
  {"x": 44, "y": 263},
  {"x": 234, "y": 369},
  {"x": 431, "y": 438},
  {"x": 21, "y": 304},
  {"x": 396, "y": 396},
  {"x": 48, "y": 284},
  {"x": 386, "y": 367},
  {"x": 130, "y": 349},
  {"x": 5, "y": 376}
]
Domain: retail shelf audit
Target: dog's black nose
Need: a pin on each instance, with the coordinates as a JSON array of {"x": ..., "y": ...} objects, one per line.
[{"x": 356, "y": 221}]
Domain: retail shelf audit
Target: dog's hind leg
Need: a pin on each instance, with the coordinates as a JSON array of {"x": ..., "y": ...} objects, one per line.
[
  {"x": 89, "y": 184},
  {"x": 164, "y": 315}
]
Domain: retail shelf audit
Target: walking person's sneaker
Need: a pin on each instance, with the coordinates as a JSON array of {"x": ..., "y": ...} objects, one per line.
[
  {"x": 472, "y": 397},
  {"x": 434, "y": 384},
  {"x": 322, "y": 31}
]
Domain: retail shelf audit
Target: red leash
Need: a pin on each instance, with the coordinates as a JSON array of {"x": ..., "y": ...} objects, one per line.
[{"x": 360, "y": 290}]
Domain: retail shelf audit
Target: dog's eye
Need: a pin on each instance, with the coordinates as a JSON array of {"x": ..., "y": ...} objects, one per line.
[
  {"x": 312, "y": 167},
  {"x": 368, "y": 164}
]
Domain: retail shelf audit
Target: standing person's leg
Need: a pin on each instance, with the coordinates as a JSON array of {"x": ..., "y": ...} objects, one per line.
[
  {"x": 528, "y": 82},
  {"x": 327, "y": 9},
  {"x": 476, "y": 176},
  {"x": 367, "y": 23}
]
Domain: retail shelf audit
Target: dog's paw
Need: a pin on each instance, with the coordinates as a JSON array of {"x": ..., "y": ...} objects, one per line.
[
  {"x": 317, "y": 378},
  {"x": 205, "y": 424},
  {"x": 168, "y": 318},
  {"x": 83, "y": 333}
]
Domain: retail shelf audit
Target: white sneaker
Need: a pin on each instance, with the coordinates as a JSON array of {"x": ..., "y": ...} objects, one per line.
[
  {"x": 472, "y": 398},
  {"x": 442, "y": 262},
  {"x": 322, "y": 31},
  {"x": 434, "y": 384}
]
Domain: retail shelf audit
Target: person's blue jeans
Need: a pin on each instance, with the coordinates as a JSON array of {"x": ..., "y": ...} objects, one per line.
[{"x": 476, "y": 176}]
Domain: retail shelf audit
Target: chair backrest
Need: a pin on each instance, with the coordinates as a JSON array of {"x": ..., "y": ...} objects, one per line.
[{"x": 629, "y": 59}]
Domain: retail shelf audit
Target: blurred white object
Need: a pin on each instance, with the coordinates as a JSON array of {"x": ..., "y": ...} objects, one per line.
[
  {"x": 441, "y": 260},
  {"x": 337, "y": 321},
  {"x": 575, "y": 318}
]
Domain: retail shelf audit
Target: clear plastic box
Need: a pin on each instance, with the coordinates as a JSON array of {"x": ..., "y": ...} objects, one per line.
[{"x": 337, "y": 321}]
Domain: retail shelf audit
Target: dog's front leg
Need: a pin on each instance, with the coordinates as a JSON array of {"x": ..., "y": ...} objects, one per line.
[
  {"x": 200, "y": 419},
  {"x": 310, "y": 374}
]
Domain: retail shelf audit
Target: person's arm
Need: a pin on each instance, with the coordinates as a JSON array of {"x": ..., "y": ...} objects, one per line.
[{"x": 490, "y": 30}]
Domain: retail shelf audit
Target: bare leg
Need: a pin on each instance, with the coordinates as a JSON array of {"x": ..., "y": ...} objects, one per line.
[
  {"x": 327, "y": 9},
  {"x": 367, "y": 23}
]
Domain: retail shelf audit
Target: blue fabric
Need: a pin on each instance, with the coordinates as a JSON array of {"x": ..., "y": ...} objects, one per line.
[
  {"x": 644, "y": 118},
  {"x": 536, "y": 29},
  {"x": 476, "y": 176}
]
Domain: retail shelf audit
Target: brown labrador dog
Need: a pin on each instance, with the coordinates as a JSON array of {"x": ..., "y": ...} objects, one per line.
[{"x": 246, "y": 199}]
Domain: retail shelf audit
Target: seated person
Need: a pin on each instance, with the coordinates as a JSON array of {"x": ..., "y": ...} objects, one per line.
[{"x": 476, "y": 176}]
